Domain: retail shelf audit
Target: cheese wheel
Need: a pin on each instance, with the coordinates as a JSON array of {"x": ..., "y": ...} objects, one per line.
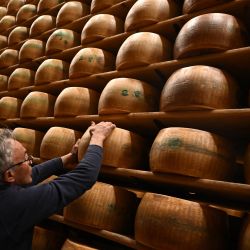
[
  {"x": 164, "y": 222},
  {"x": 58, "y": 141},
  {"x": 199, "y": 87},
  {"x": 10, "y": 107},
  {"x": 208, "y": 33},
  {"x": 45, "y": 5},
  {"x": 31, "y": 49},
  {"x": 62, "y": 39},
  {"x": 17, "y": 35},
  {"x": 97, "y": 5},
  {"x": 143, "y": 48},
  {"x": 25, "y": 13},
  {"x": 147, "y": 12},
  {"x": 3, "y": 11},
  {"x": 31, "y": 139},
  {"x": 90, "y": 61},
  {"x": 125, "y": 95},
  {"x": 105, "y": 207},
  {"x": 3, "y": 82},
  {"x": 9, "y": 57},
  {"x": 21, "y": 77},
  {"x": 192, "y": 152},
  {"x": 73, "y": 101},
  {"x": 7, "y": 22},
  {"x": 100, "y": 26},
  {"x": 71, "y": 11},
  {"x": 14, "y": 5},
  {"x": 123, "y": 149},
  {"x": 37, "y": 104},
  {"x": 51, "y": 70},
  {"x": 42, "y": 24},
  {"x": 3, "y": 42},
  {"x": 72, "y": 245}
]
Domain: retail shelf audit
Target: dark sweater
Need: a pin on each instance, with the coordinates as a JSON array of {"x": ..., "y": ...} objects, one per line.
[{"x": 23, "y": 207}]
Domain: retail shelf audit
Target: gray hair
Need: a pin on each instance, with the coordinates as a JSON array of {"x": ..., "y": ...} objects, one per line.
[{"x": 5, "y": 150}]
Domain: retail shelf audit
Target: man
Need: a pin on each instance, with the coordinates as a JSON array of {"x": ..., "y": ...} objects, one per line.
[{"x": 23, "y": 204}]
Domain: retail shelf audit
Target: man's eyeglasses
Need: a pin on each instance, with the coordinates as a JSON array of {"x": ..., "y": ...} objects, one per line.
[{"x": 28, "y": 158}]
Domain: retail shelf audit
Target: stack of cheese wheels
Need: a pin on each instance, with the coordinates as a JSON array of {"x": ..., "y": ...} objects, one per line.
[
  {"x": 247, "y": 164},
  {"x": 125, "y": 95},
  {"x": 42, "y": 24},
  {"x": 192, "y": 152},
  {"x": 72, "y": 245},
  {"x": 3, "y": 11},
  {"x": 71, "y": 11},
  {"x": 45, "y": 5},
  {"x": 30, "y": 138},
  {"x": 73, "y": 101},
  {"x": 190, "y": 6},
  {"x": 9, "y": 57},
  {"x": 3, "y": 41},
  {"x": 207, "y": 33},
  {"x": 90, "y": 61},
  {"x": 14, "y": 5},
  {"x": 7, "y": 22},
  {"x": 105, "y": 207},
  {"x": 244, "y": 239},
  {"x": 164, "y": 222},
  {"x": 62, "y": 39},
  {"x": 143, "y": 48},
  {"x": 147, "y": 12},
  {"x": 17, "y": 35},
  {"x": 100, "y": 26},
  {"x": 123, "y": 149},
  {"x": 199, "y": 87},
  {"x": 49, "y": 239},
  {"x": 97, "y": 5},
  {"x": 20, "y": 78},
  {"x": 25, "y": 13},
  {"x": 37, "y": 104},
  {"x": 10, "y": 107},
  {"x": 3, "y": 82},
  {"x": 58, "y": 141},
  {"x": 51, "y": 70},
  {"x": 31, "y": 50}
]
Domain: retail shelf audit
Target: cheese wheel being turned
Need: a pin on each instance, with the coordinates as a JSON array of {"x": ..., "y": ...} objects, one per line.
[
  {"x": 42, "y": 24},
  {"x": 17, "y": 35},
  {"x": 192, "y": 152},
  {"x": 123, "y": 149},
  {"x": 7, "y": 22},
  {"x": 14, "y": 5},
  {"x": 37, "y": 104},
  {"x": 100, "y": 26},
  {"x": 3, "y": 82},
  {"x": 9, "y": 57},
  {"x": 147, "y": 12},
  {"x": 97, "y": 5},
  {"x": 199, "y": 87},
  {"x": 125, "y": 95},
  {"x": 72, "y": 245},
  {"x": 21, "y": 78},
  {"x": 3, "y": 11},
  {"x": 25, "y": 13},
  {"x": 46, "y": 238},
  {"x": 62, "y": 39},
  {"x": 73, "y": 101},
  {"x": 105, "y": 207},
  {"x": 31, "y": 139},
  {"x": 90, "y": 61},
  {"x": 164, "y": 222},
  {"x": 10, "y": 107},
  {"x": 3, "y": 42},
  {"x": 209, "y": 33},
  {"x": 190, "y": 6},
  {"x": 71, "y": 11},
  {"x": 143, "y": 48},
  {"x": 31, "y": 50},
  {"x": 58, "y": 141},
  {"x": 247, "y": 164},
  {"x": 51, "y": 70},
  {"x": 45, "y": 5}
]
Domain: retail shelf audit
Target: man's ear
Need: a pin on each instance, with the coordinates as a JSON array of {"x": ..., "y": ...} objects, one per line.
[{"x": 8, "y": 176}]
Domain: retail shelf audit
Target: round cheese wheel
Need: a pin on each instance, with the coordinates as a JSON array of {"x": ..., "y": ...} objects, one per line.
[
  {"x": 9, "y": 57},
  {"x": 14, "y": 5},
  {"x": 97, "y": 5},
  {"x": 7, "y": 22},
  {"x": 143, "y": 48},
  {"x": 72, "y": 245},
  {"x": 192, "y": 152},
  {"x": 3, "y": 82},
  {"x": 3, "y": 11},
  {"x": 73, "y": 101},
  {"x": 10, "y": 107},
  {"x": 17, "y": 35},
  {"x": 25, "y": 13},
  {"x": 3, "y": 42},
  {"x": 45, "y": 5}
]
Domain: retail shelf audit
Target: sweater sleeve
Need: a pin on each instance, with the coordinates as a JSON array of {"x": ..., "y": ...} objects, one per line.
[{"x": 39, "y": 202}]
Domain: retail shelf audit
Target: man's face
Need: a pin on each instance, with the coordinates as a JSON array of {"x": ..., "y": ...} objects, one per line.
[{"x": 21, "y": 172}]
